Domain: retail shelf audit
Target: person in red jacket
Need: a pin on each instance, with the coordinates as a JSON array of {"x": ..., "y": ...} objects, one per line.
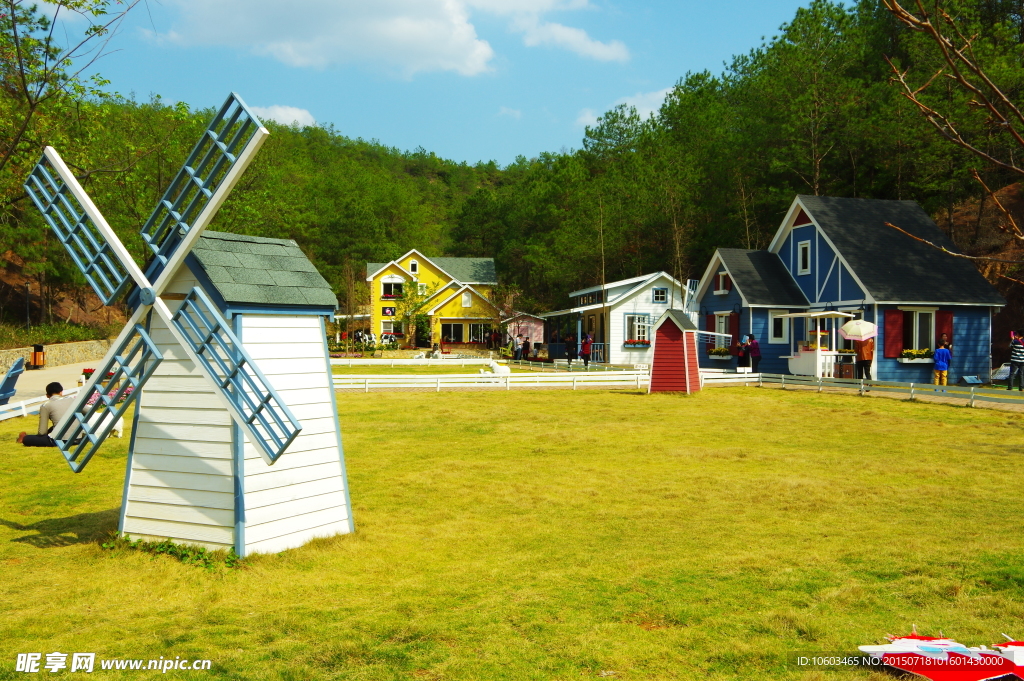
[{"x": 585, "y": 349}]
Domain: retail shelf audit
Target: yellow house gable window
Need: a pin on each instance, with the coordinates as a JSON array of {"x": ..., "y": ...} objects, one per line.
[{"x": 467, "y": 299}]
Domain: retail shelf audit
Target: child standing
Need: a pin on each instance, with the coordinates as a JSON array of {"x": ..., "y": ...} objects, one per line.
[{"x": 942, "y": 359}]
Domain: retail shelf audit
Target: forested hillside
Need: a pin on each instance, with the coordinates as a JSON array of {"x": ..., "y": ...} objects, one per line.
[{"x": 812, "y": 110}]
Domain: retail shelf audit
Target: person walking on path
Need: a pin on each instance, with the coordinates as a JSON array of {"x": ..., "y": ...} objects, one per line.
[
  {"x": 942, "y": 358},
  {"x": 1016, "y": 360},
  {"x": 570, "y": 349},
  {"x": 865, "y": 352},
  {"x": 51, "y": 410},
  {"x": 585, "y": 350},
  {"x": 754, "y": 352}
]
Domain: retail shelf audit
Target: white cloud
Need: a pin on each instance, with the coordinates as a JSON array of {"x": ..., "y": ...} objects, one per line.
[
  {"x": 573, "y": 39},
  {"x": 646, "y": 103},
  {"x": 586, "y": 117},
  {"x": 402, "y": 36},
  {"x": 511, "y": 113},
  {"x": 284, "y": 114}
]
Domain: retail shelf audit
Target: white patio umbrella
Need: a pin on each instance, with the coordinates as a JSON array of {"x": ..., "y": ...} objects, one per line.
[{"x": 858, "y": 329}]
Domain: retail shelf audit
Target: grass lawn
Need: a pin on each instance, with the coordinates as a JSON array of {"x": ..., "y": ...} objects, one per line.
[{"x": 559, "y": 535}]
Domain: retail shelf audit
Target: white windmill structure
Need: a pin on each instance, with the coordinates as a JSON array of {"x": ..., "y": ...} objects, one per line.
[{"x": 217, "y": 458}]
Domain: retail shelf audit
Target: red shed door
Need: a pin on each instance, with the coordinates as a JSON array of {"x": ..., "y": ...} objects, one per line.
[{"x": 668, "y": 373}]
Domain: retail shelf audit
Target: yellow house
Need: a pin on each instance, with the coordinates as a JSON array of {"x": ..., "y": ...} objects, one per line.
[{"x": 453, "y": 292}]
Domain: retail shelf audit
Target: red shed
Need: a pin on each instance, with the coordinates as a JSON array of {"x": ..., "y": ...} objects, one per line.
[{"x": 674, "y": 368}]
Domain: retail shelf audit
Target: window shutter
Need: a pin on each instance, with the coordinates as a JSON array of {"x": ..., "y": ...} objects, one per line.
[
  {"x": 893, "y": 332},
  {"x": 943, "y": 325},
  {"x": 728, "y": 282},
  {"x": 709, "y": 324},
  {"x": 734, "y": 329}
]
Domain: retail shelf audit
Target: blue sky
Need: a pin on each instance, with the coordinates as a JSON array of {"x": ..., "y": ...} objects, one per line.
[{"x": 470, "y": 80}]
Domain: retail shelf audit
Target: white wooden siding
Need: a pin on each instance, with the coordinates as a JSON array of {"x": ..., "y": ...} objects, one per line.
[
  {"x": 302, "y": 496},
  {"x": 181, "y": 484}
]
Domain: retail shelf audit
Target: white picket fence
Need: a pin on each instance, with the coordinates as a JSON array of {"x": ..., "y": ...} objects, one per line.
[
  {"x": 26, "y": 407},
  {"x": 612, "y": 379},
  {"x": 387, "y": 362}
]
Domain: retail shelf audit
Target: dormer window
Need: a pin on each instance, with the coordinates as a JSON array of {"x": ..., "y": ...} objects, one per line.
[
  {"x": 722, "y": 283},
  {"x": 414, "y": 267},
  {"x": 803, "y": 257},
  {"x": 467, "y": 299}
]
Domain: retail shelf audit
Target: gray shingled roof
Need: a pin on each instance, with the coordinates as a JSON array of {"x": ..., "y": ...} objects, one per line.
[
  {"x": 465, "y": 270},
  {"x": 893, "y": 266},
  {"x": 261, "y": 271},
  {"x": 762, "y": 278},
  {"x": 681, "y": 320}
]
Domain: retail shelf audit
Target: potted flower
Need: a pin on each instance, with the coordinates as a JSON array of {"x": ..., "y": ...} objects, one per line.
[{"x": 922, "y": 356}]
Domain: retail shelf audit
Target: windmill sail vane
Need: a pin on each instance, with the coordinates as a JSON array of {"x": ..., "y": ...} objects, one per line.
[
  {"x": 69, "y": 219},
  {"x": 200, "y": 178},
  {"x": 258, "y": 408}
]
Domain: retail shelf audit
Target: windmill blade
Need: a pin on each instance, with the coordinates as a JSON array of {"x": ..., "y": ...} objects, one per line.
[
  {"x": 252, "y": 401},
  {"x": 114, "y": 387},
  {"x": 222, "y": 154},
  {"x": 74, "y": 218}
]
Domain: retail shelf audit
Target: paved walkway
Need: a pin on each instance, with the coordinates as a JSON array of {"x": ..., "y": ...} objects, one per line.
[{"x": 33, "y": 382}]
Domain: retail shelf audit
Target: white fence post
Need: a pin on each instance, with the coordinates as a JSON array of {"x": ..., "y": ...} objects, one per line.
[
  {"x": 820, "y": 380},
  {"x": 574, "y": 382},
  {"x": 508, "y": 380},
  {"x": 971, "y": 404},
  {"x": 366, "y": 385},
  {"x": 911, "y": 391},
  {"x": 638, "y": 381}
]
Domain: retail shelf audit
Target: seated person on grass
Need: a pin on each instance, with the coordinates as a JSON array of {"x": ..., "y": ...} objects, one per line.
[{"x": 51, "y": 410}]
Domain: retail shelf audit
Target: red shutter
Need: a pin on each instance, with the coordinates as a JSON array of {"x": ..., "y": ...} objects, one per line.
[
  {"x": 709, "y": 322},
  {"x": 893, "y": 333},
  {"x": 728, "y": 282},
  {"x": 734, "y": 329},
  {"x": 943, "y": 325}
]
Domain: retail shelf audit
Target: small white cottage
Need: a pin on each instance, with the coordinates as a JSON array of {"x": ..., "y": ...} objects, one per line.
[
  {"x": 617, "y": 315},
  {"x": 192, "y": 476}
]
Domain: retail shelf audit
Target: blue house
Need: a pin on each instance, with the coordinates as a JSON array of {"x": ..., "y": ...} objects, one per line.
[{"x": 836, "y": 259}]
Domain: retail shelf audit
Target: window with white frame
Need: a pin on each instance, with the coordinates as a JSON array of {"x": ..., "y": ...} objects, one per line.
[
  {"x": 778, "y": 327},
  {"x": 478, "y": 333},
  {"x": 414, "y": 267},
  {"x": 918, "y": 329},
  {"x": 660, "y": 295},
  {"x": 638, "y": 327},
  {"x": 803, "y": 257},
  {"x": 387, "y": 326},
  {"x": 721, "y": 283},
  {"x": 722, "y": 326},
  {"x": 467, "y": 299},
  {"x": 391, "y": 289}
]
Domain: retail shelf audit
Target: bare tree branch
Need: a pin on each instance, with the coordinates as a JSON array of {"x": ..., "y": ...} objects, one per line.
[{"x": 949, "y": 252}]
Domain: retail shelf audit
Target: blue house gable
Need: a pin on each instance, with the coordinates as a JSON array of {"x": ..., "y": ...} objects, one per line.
[{"x": 840, "y": 255}]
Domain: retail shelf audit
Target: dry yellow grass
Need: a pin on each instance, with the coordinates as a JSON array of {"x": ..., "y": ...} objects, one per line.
[{"x": 558, "y": 535}]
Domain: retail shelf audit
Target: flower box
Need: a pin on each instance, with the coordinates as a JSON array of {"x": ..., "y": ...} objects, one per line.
[
  {"x": 720, "y": 357},
  {"x": 915, "y": 360},
  {"x": 643, "y": 346}
]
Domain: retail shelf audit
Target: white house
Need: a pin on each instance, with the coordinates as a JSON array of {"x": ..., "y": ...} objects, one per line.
[{"x": 618, "y": 315}]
